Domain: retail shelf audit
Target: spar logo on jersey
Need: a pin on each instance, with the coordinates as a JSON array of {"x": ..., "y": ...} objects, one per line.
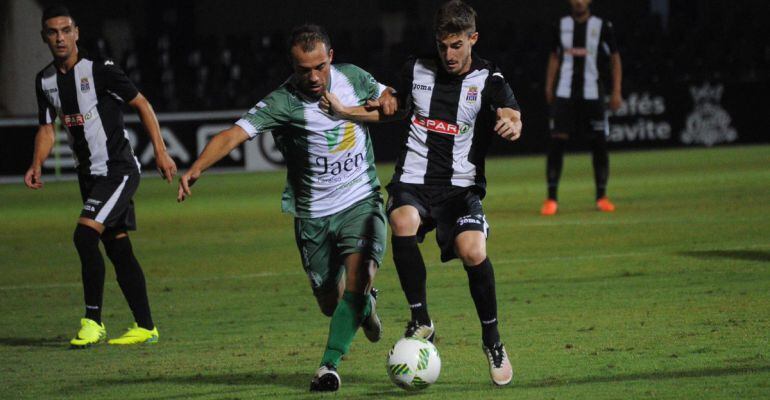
[
  {"x": 85, "y": 86},
  {"x": 577, "y": 52},
  {"x": 473, "y": 94},
  {"x": 439, "y": 126},
  {"x": 74, "y": 120}
]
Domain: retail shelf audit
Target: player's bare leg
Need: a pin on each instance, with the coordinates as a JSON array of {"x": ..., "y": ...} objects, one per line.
[{"x": 471, "y": 247}]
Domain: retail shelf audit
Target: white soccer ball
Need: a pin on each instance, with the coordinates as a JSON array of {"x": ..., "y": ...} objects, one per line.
[{"x": 413, "y": 363}]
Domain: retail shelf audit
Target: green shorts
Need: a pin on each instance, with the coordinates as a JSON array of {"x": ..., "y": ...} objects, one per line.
[{"x": 324, "y": 242}]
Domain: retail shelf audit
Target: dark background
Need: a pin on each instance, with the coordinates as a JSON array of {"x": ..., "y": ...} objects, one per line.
[{"x": 226, "y": 55}]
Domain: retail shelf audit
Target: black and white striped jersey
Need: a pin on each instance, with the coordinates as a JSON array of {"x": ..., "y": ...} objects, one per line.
[
  {"x": 451, "y": 121},
  {"x": 87, "y": 100},
  {"x": 579, "y": 46}
]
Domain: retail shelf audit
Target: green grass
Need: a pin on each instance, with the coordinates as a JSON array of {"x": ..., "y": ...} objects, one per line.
[{"x": 669, "y": 297}]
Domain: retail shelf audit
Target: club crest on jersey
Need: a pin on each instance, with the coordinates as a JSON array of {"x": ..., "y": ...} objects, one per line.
[
  {"x": 473, "y": 94},
  {"x": 85, "y": 86}
]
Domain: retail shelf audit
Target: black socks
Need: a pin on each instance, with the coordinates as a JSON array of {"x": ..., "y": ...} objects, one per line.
[
  {"x": 481, "y": 280},
  {"x": 601, "y": 163},
  {"x": 554, "y": 163},
  {"x": 411, "y": 272},
  {"x": 131, "y": 279},
  {"x": 86, "y": 241}
]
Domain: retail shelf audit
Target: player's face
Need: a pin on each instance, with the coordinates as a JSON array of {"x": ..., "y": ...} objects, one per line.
[
  {"x": 579, "y": 7},
  {"x": 455, "y": 51},
  {"x": 311, "y": 69},
  {"x": 61, "y": 36}
]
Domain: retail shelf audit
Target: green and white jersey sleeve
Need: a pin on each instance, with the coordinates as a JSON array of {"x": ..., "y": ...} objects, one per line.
[{"x": 330, "y": 162}]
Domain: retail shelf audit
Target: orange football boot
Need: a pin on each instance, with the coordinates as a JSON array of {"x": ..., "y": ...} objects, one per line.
[
  {"x": 549, "y": 207},
  {"x": 605, "y": 205}
]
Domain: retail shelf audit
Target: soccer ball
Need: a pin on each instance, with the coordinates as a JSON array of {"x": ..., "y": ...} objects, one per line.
[{"x": 413, "y": 363}]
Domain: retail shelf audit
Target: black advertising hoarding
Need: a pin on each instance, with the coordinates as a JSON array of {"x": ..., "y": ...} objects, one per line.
[
  {"x": 703, "y": 114},
  {"x": 185, "y": 135},
  {"x": 706, "y": 114}
]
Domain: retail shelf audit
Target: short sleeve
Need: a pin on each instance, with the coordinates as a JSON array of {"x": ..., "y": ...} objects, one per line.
[
  {"x": 500, "y": 94},
  {"x": 609, "y": 43},
  {"x": 271, "y": 112},
  {"x": 114, "y": 80},
  {"x": 45, "y": 112}
]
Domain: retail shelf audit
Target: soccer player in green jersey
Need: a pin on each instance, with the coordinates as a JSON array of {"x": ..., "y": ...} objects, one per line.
[{"x": 332, "y": 187}]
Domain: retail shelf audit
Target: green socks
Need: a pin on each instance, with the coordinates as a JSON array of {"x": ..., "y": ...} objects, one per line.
[{"x": 350, "y": 311}]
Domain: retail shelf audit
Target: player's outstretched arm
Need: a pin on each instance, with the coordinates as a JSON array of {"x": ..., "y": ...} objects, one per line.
[
  {"x": 508, "y": 124},
  {"x": 164, "y": 162},
  {"x": 219, "y": 146},
  {"x": 383, "y": 109},
  {"x": 44, "y": 140}
]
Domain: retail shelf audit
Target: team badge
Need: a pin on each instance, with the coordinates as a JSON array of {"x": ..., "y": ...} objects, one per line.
[
  {"x": 84, "y": 85},
  {"x": 473, "y": 94}
]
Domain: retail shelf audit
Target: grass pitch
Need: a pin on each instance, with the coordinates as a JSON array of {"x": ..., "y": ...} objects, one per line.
[{"x": 668, "y": 297}]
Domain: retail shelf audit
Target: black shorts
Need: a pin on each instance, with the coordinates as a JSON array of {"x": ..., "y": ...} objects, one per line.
[
  {"x": 584, "y": 118},
  {"x": 108, "y": 200},
  {"x": 448, "y": 209}
]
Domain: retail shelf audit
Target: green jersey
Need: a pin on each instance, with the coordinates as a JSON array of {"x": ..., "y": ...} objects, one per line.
[{"x": 330, "y": 163}]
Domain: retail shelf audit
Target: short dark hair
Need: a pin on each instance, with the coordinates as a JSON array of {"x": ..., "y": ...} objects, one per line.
[
  {"x": 306, "y": 36},
  {"x": 454, "y": 17},
  {"x": 54, "y": 11}
]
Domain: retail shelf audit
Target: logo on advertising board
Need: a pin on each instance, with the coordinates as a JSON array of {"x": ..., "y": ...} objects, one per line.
[{"x": 709, "y": 123}]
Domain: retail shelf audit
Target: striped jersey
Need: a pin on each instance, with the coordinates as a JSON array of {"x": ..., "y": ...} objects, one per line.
[
  {"x": 579, "y": 46},
  {"x": 451, "y": 121},
  {"x": 87, "y": 100},
  {"x": 330, "y": 162}
]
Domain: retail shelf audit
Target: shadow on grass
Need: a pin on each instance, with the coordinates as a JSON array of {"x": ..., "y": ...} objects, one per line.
[
  {"x": 35, "y": 342},
  {"x": 648, "y": 376},
  {"x": 746, "y": 255},
  {"x": 240, "y": 384},
  {"x": 298, "y": 380}
]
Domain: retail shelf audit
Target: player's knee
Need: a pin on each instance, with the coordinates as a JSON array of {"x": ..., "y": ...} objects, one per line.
[
  {"x": 109, "y": 235},
  {"x": 470, "y": 250},
  {"x": 472, "y": 257},
  {"x": 327, "y": 305},
  {"x": 404, "y": 222},
  {"x": 327, "y": 309},
  {"x": 85, "y": 238},
  {"x": 327, "y": 301}
]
